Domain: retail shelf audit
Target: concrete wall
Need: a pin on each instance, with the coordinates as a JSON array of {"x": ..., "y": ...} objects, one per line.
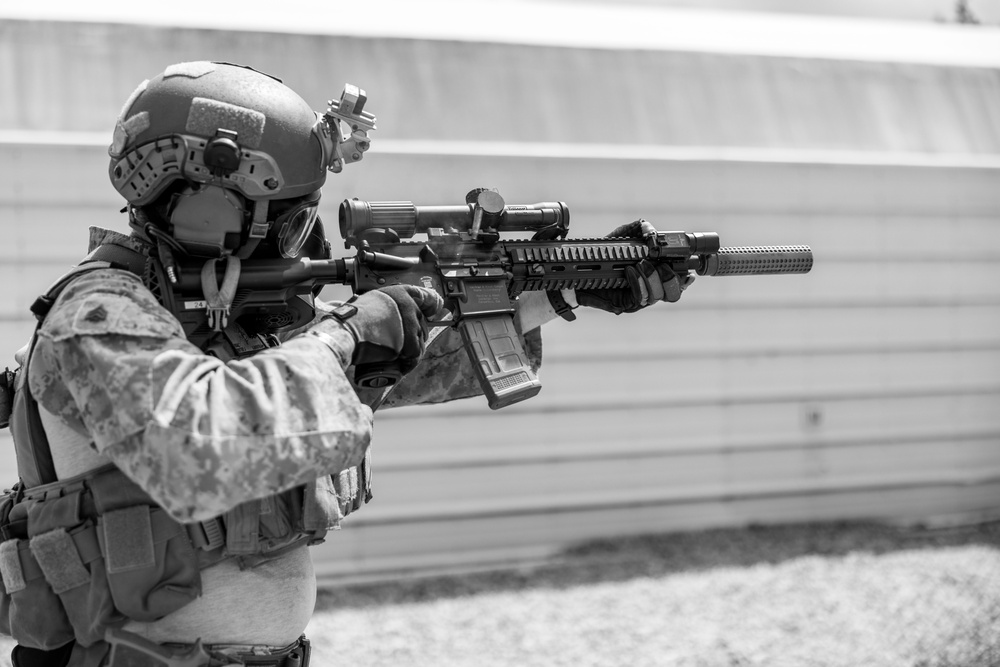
[{"x": 867, "y": 388}]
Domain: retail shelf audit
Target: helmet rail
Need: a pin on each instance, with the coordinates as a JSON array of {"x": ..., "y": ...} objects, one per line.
[
  {"x": 235, "y": 127},
  {"x": 143, "y": 172}
]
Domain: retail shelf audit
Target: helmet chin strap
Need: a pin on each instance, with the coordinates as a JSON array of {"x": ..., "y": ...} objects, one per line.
[
  {"x": 258, "y": 229},
  {"x": 219, "y": 298}
]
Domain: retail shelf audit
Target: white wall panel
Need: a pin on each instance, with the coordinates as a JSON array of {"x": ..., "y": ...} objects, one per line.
[{"x": 866, "y": 389}]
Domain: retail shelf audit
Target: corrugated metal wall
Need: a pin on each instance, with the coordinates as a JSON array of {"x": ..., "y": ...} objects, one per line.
[{"x": 868, "y": 388}]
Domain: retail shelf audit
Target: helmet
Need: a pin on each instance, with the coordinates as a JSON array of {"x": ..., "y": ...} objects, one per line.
[{"x": 215, "y": 154}]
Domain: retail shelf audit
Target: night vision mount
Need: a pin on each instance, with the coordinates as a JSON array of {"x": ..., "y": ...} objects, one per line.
[{"x": 350, "y": 110}]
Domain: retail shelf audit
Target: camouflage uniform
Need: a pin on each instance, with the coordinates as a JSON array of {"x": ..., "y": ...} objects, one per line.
[
  {"x": 201, "y": 435},
  {"x": 204, "y": 437},
  {"x": 198, "y": 434}
]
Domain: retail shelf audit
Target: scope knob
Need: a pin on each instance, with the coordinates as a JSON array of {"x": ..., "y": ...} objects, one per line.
[
  {"x": 472, "y": 196},
  {"x": 379, "y": 236},
  {"x": 489, "y": 200}
]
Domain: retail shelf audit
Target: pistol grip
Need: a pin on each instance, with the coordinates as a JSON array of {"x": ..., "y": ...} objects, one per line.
[
  {"x": 378, "y": 376},
  {"x": 499, "y": 360},
  {"x": 377, "y": 367}
]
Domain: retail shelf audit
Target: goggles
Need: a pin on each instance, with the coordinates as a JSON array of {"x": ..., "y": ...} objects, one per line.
[
  {"x": 294, "y": 226},
  {"x": 192, "y": 208}
]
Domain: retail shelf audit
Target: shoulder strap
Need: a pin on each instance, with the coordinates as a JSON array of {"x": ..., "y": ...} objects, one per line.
[
  {"x": 26, "y": 422},
  {"x": 34, "y": 456},
  {"x": 43, "y": 304},
  {"x": 107, "y": 256},
  {"x": 119, "y": 257}
]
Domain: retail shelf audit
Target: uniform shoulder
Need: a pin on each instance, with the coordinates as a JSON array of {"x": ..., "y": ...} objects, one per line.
[{"x": 108, "y": 301}]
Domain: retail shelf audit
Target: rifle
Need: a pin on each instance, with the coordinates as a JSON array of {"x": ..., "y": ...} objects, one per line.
[{"x": 479, "y": 274}]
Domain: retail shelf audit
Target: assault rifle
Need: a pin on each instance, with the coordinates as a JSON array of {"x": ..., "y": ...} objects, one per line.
[{"x": 479, "y": 273}]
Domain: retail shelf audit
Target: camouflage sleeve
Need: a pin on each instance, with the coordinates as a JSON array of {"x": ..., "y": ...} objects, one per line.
[
  {"x": 446, "y": 373},
  {"x": 199, "y": 435}
]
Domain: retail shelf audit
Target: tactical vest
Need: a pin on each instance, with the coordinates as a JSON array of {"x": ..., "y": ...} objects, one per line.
[{"x": 79, "y": 556}]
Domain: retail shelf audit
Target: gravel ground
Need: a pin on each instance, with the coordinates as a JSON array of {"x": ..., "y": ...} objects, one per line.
[
  {"x": 799, "y": 596},
  {"x": 816, "y": 595}
]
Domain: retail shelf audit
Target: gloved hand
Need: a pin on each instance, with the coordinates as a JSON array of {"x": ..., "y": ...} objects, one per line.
[
  {"x": 389, "y": 324},
  {"x": 647, "y": 282}
]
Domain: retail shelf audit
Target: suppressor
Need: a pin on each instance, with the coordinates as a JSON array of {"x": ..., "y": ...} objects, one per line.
[{"x": 757, "y": 260}]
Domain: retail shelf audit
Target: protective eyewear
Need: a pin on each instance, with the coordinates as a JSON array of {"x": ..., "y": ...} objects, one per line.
[{"x": 294, "y": 227}]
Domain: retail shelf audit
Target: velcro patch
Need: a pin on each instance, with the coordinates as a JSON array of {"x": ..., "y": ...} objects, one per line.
[
  {"x": 10, "y": 567},
  {"x": 119, "y": 139},
  {"x": 57, "y": 556},
  {"x": 128, "y": 539},
  {"x": 207, "y": 116},
  {"x": 136, "y": 125}
]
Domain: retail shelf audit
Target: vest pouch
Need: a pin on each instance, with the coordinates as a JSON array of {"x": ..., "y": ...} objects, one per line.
[
  {"x": 262, "y": 530},
  {"x": 62, "y": 566},
  {"x": 152, "y": 567},
  {"x": 278, "y": 516},
  {"x": 6, "y": 534},
  {"x": 72, "y": 564},
  {"x": 8, "y": 380},
  {"x": 264, "y": 526},
  {"x": 323, "y": 507},
  {"x": 31, "y": 612}
]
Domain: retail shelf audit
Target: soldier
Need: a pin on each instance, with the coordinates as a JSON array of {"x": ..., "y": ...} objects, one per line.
[{"x": 172, "y": 477}]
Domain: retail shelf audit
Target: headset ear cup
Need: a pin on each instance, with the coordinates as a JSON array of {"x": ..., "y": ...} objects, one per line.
[{"x": 193, "y": 206}]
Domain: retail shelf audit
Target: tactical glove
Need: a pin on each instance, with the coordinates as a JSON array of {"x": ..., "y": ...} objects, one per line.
[
  {"x": 647, "y": 282},
  {"x": 389, "y": 324}
]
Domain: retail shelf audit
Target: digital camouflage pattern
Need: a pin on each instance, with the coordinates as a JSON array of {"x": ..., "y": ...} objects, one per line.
[
  {"x": 445, "y": 372},
  {"x": 199, "y": 435}
]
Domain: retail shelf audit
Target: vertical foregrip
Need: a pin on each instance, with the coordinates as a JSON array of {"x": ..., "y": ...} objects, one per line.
[{"x": 499, "y": 360}]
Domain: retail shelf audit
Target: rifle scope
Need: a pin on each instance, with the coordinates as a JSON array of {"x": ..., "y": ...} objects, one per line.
[{"x": 407, "y": 219}]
